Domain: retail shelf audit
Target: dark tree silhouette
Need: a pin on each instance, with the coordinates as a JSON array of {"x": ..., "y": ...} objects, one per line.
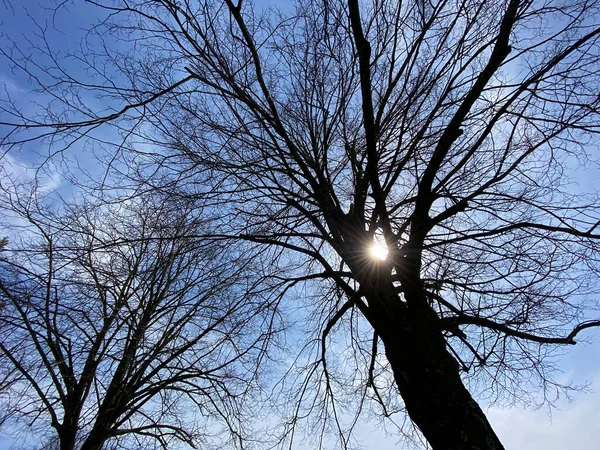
[
  {"x": 448, "y": 131},
  {"x": 118, "y": 329}
]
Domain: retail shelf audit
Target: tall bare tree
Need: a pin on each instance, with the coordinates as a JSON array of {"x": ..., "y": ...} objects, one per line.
[
  {"x": 119, "y": 330},
  {"x": 447, "y": 131}
]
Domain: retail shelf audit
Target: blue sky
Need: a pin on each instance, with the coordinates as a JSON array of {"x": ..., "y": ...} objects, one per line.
[{"x": 573, "y": 424}]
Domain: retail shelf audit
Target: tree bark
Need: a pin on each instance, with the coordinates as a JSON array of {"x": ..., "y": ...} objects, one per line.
[
  {"x": 428, "y": 378},
  {"x": 96, "y": 439},
  {"x": 66, "y": 437},
  {"x": 426, "y": 373}
]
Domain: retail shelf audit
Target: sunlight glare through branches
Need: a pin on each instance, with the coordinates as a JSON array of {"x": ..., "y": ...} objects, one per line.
[{"x": 379, "y": 250}]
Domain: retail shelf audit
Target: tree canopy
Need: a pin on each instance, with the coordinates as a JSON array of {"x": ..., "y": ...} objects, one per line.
[
  {"x": 449, "y": 132},
  {"x": 117, "y": 326}
]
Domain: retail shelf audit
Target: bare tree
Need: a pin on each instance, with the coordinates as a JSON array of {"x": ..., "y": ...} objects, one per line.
[
  {"x": 447, "y": 131},
  {"x": 120, "y": 331}
]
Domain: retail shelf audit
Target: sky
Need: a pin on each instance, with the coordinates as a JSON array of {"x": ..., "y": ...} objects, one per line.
[{"x": 572, "y": 424}]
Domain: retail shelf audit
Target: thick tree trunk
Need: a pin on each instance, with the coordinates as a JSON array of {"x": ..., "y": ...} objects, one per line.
[
  {"x": 436, "y": 399},
  {"x": 429, "y": 382},
  {"x": 95, "y": 439},
  {"x": 427, "y": 375},
  {"x": 67, "y": 438},
  {"x": 67, "y": 431}
]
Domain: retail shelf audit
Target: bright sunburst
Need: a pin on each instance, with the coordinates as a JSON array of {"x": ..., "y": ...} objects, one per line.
[{"x": 379, "y": 251}]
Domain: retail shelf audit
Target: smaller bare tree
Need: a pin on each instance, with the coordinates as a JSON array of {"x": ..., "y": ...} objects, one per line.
[{"x": 119, "y": 329}]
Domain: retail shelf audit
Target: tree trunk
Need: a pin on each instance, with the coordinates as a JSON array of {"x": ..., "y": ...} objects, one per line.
[
  {"x": 95, "y": 439},
  {"x": 427, "y": 375},
  {"x": 428, "y": 378},
  {"x": 67, "y": 431},
  {"x": 66, "y": 437}
]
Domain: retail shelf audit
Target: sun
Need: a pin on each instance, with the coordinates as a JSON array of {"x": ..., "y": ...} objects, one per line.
[{"x": 379, "y": 251}]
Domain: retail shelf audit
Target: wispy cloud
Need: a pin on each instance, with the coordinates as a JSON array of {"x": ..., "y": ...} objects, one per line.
[{"x": 15, "y": 172}]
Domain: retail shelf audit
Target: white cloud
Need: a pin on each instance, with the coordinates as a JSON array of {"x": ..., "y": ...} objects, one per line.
[
  {"x": 10, "y": 87},
  {"x": 16, "y": 172},
  {"x": 573, "y": 425},
  {"x": 21, "y": 183}
]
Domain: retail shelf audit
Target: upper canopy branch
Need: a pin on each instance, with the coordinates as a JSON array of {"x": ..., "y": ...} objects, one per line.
[
  {"x": 453, "y": 131},
  {"x": 517, "y": 226},
  {"x": 103, "y": 119},
  {"x": 452, "y": 323},
  {"x": 463, "y": 319},
  {"x": 364, "y": 60}
]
